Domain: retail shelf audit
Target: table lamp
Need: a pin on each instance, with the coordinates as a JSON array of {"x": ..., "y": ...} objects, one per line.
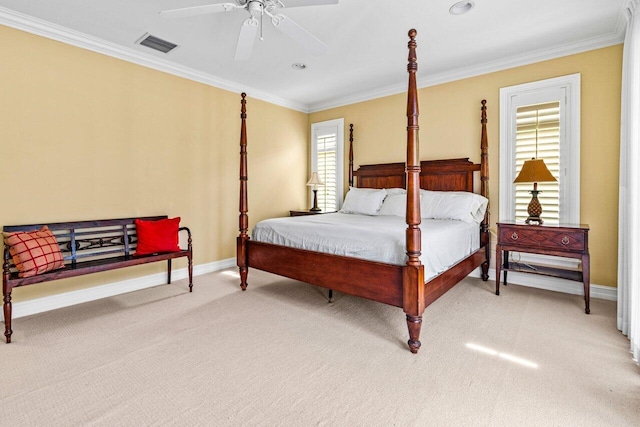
[
  {"x": 314, "y": 181},
  {"x": 535, "y": 171}
]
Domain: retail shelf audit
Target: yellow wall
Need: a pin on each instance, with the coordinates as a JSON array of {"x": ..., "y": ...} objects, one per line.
[
  {"x": 450, "y": 127},
  {"x": 86, "y": 136}
]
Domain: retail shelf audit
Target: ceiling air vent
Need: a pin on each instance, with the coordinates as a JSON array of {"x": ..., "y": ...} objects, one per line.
[{"x": 155, "y": 43}]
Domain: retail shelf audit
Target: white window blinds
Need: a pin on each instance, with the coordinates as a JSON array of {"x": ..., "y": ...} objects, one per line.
[
  {"x": 538, "y": 136},
  {"x": 327, "y": 155},
  {"x": 326, "y": 159}
]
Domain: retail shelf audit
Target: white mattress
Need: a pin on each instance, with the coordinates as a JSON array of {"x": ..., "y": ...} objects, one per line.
[{"x": 374, "y": 238}]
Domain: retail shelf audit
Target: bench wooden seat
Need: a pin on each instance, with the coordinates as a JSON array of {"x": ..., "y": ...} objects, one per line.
[{"x": 88, "y": 247}]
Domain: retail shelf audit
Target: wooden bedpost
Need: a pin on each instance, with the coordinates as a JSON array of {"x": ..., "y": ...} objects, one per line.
[
  {"x": 351, "y": 155},
  {"x": 242, "y": 256},
  {"x": 485, "y": 236},
  {"x": 413, "y": 279}
]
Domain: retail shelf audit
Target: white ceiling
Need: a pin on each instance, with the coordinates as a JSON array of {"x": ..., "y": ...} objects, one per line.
[{"x": 366, "y": 38}]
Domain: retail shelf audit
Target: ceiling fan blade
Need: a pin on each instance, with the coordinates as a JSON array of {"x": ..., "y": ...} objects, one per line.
[
  {"x": 198, "y": 10},
  {"x": 300, "y": 3},
  {"x": 246, "y": 39},
  {"x": 299, "y": 34}
]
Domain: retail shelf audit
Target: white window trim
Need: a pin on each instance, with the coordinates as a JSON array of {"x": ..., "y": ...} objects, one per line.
[
  {"x": 339, "y": 123},
  {"x": 570, "y": 135}
]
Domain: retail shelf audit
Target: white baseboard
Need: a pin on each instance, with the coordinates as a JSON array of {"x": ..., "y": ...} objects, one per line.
[
  {"x": 40, "y": 305},
  {"x": 554, "y": 284}
]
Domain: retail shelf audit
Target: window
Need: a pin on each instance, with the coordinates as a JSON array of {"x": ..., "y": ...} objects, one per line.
[
  {"x": 538, "y": 136},
  {"x": 327, "y": 142},
  {"x": 548, "y": 112}
]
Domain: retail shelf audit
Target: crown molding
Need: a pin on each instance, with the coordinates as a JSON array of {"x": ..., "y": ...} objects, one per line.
[
  {"x": 626, "y": 10},
  {"x": 65, "y": 35},
  {"x": 480, "y": 69}
]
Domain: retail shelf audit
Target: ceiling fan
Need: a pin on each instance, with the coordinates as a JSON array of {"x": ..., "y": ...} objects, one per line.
[{"x": 257, "y": 9}]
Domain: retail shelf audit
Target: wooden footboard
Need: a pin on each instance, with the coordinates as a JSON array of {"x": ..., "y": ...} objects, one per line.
[
  {"x": 372, "y": 280},
  {"x": 368, "y": 279}
]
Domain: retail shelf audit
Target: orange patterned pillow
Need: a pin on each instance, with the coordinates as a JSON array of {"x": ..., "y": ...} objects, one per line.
[{"x": 34, "y": 252}]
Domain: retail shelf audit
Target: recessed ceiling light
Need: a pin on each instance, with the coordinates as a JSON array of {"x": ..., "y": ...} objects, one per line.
[
  {"x": 298, "y": 66},
  {"x": 461, "y": 7}
]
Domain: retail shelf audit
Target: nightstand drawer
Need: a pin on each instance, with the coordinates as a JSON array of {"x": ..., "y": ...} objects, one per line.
[{"x": 540, "y": 238}]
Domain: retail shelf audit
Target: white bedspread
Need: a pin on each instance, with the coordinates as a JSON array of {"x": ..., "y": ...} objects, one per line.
[{"x": 375, "y": 238}]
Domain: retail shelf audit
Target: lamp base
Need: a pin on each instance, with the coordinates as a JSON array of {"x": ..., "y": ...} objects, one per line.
[
  {"x": 534, "y": 209},
  {"x": 535, "y": 219},
  {"x": 315, "y": 207}
]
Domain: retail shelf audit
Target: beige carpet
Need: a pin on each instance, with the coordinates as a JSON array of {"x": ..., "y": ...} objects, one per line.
[{"x": 279, "y": 354}]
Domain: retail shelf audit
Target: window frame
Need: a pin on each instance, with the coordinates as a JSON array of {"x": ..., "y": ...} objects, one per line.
[
  {"x": 566, "y": 89},
  {"x": 338, "y": 124}
]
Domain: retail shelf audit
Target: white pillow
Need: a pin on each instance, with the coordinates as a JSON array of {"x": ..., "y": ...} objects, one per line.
[
  {"x": 458, "y": 205},
  {"x": 366, "y": 201},
  {"x": 394, "y": 204}
]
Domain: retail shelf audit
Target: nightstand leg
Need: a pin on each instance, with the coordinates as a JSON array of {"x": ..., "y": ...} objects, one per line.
[
  {"x": 506, "y": 265},
  {"x": 586, "y": 280},
  {"x": 498, "y": 267}
]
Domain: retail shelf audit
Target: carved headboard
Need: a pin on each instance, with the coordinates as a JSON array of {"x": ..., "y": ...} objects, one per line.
[{"x": 440, "y": 175}]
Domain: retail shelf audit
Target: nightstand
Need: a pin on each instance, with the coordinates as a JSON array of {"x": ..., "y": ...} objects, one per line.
[
  {"x": 303, "y": 213},
  {"x": 570, "y": 241}
]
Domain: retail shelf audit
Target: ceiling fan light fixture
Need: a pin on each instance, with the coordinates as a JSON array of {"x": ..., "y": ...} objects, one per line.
[
  {"x": 298, "y": 66},
  {"x": 255, "y": 8},
  {"x": 461, "y": 7}
]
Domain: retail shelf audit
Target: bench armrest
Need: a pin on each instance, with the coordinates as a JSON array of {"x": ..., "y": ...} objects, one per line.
[{"x": 189, "y": 248}]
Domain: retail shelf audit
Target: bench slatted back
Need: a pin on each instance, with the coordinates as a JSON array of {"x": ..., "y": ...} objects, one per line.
[{"x": 86, "y": 240}]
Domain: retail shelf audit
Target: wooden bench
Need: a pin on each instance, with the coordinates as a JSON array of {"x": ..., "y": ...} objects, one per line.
[{"x": 88, "y": 247}]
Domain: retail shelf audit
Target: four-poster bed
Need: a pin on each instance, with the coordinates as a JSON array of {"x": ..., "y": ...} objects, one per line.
[{"x": 402, "y": 286}]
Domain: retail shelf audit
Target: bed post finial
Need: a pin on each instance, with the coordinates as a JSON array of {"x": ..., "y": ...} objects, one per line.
[
  {"x": 351, "y": 155},
  {"x": 241, "y": 253},
  {"x": 413, "y": 275},
  {"x": 412, "y": 66}
]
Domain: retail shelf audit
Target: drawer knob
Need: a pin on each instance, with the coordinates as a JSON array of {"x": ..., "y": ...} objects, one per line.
[
  {"x": 565, "y": 240},
  {"x": 514, "y": 236}
]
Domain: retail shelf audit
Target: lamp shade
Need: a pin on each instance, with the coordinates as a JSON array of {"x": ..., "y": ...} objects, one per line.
[
  {"x": 535, "y": 170},
  {"x": 314, "y": 180}
]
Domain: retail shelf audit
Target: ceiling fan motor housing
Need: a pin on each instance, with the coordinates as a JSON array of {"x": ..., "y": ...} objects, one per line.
[{"x": 255, "y": 8}]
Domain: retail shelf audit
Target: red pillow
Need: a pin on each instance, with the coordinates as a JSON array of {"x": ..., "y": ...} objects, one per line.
[{"x": 157, "y": 236}]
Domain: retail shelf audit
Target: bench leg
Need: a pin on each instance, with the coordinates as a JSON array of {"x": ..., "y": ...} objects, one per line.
[
  {"x": 168, "y": 271},
  {"x": 7, "y": 317},
  {"x": 190, "y": 274}
]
